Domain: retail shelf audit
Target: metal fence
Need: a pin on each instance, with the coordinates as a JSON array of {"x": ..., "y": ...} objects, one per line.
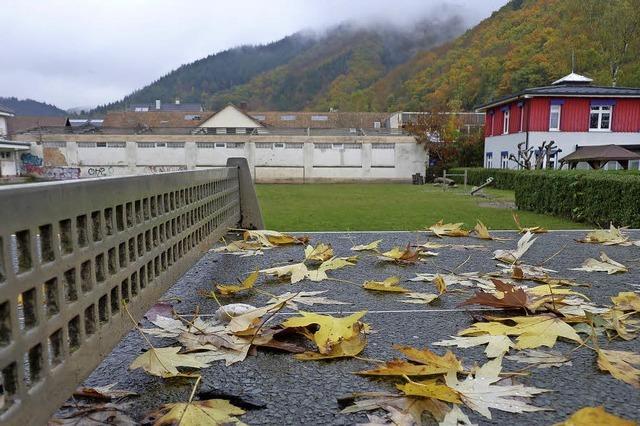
[{"x": 72, "y": 252}]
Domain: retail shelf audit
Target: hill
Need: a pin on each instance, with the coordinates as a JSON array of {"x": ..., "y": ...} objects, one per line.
[
  {"x": 31, "y": 107},
  {"x": 525, "y": 43}
]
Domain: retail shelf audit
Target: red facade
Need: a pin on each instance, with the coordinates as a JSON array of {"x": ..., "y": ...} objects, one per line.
[{"x": 574, "y": 115}]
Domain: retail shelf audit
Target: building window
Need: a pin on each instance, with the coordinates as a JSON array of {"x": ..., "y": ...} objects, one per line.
[
  {"x": 161, "y": 144},
  {"x": 488, "y": 160},
  {"x": 264, "y": 145},
  {"x": 338, "y": 146},
  {"x": 505, "y": 122},
  {"x": 376, "y": 125},
  {"x": 259, "y": 117},
  {"x": 235, "y": 145},
  {"x": 220, "y": 145},
  {"x": 352, "y": 146},
  {"x": 192, "y": 117},
  {"x": 278, "y": 145},
  {"x": 86, "y": 144},
  {"x": 319, "y": 118},
  {"x": 54, "y": 144},
  {"x": 116, "y": 144},
  {"x": 205, "y": 145},
  {"x": 231, "y": 130},
  {"x": 175, "y": 145},
  {"x": 322, "y": 145},
  {"x": 5, "y": 155},
  {"x": 101, "y": 144},
  {"x": 383, "y": 146},
  {"x": 287, "y": 117},
  {"x": 294, "y": 145},
  {"x": 554, "y": 118},
  {"x": 600, "y": 119},
  {"x": 146, "y": 144},
  {"x": 504, "y": 160},
  {"x": 221, "y": 131}
]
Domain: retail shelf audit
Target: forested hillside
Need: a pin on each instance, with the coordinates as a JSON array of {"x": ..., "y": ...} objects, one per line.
[
  {"x": 31, "y": 107},
  {"x": 525, "y": 43}
]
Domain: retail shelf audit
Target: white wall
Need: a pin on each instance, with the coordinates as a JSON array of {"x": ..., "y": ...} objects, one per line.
[{"x": 3, "y": 125}]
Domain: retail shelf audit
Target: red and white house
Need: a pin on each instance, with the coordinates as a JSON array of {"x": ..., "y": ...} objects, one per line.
[{"x": 571, "y": 112}]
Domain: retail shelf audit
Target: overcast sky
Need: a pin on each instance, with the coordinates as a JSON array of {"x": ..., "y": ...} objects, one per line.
[{"x": 84, "y": 53}]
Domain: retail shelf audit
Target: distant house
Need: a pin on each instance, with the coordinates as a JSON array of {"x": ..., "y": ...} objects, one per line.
[
  {"x": 573, "y": 113},
  {"x": 24, "y": 123},
  {"x": 5, "y": 113},
  {"x": 176, "y": 106}
]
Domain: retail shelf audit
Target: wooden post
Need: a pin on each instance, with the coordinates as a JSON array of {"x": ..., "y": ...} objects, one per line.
[
  {"x": 444, "y": 179},
  {"x": 465, "y": 180}
]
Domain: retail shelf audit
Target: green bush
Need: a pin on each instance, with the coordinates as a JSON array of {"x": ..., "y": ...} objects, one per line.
[{"x": 596, "y": 197}]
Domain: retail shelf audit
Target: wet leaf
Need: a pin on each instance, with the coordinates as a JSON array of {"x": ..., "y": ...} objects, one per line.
[
  {"x": 308, "y": 298},
  {"x": 448, "y": 229},
  {"x": 390, "y": 285},
  {"x": 103, "y": 392},
  {"x": 440, "y": 283},
  {"x": 273, "y": 238},
  {"x": 627, "y": 301},
  {"x": 622, "y": 365},
  {"x": 163, "y": 362},
  {"x": 482, "y": 232},
  {"x": 480, "y": 392},
  {"x": 430, "y": 389},
  {"x": 94, "y": 415},
  {"x": 541, "y": 359},
  {"x": 592, "y": 416},
  {"x": 496, "y": 345},
  {"x": 344, "y": 348},
  {"x": 608, "y": 237},
  {"x": 331, "y": 330},
  {"x": 196, "y": 413},
  {"x": 242, "y": 248},
  {"x": 372, "y": 246},
  {"x": 246, "y": 284},
  {"x": 414, "y": 407},
  {"x": 524, "y": 230},
  {"x": 399, "y": 255},
  {"x": 532, "y": 332},
  {"x": 295, "y": 272},
  {"x": 420, "y": 298},
  {"x": 507, "y": 296},
  {"x": 252, "y": 319},
  {"x": 169, "y": 327},
  {"x": 605, "y": 264},
  {"x": 320, "y": 252},
  {"x": 513, "y": 256},
  {"x": 427, "y": 363}
]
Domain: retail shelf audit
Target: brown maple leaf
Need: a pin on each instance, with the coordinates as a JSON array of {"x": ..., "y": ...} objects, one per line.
[{"x": 511, "y": 297}]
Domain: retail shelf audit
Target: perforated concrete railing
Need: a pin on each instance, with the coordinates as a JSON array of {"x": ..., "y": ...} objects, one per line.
[{"x": 72, "y": 252}]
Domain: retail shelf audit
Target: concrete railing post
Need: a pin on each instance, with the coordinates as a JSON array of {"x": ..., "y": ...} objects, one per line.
[{"x": 250, "y": 213}]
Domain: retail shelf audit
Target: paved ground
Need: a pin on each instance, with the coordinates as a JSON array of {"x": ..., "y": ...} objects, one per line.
[{"x": 305, "y": 392}]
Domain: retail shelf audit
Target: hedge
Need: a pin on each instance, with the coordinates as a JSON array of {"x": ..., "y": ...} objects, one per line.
[{"x": 596, "y": 197}]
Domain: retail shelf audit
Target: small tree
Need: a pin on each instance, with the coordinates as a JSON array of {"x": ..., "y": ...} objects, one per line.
[{"x": 437, "y": 132}]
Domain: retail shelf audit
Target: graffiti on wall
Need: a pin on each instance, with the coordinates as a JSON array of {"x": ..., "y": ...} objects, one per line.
[
  {"x": 162, "y": 169},
  {"x": 100, "y": 171},
  {"x": 32, "y": 165}
]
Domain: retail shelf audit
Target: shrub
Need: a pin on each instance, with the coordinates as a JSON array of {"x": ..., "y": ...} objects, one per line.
[{"x": 597, "y": 197}]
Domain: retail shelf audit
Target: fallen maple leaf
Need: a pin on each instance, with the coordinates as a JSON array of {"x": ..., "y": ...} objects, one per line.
[
  {"x": 523, "y": 230},
  {"x": 608, "y": 237},
  {"x": 430, "y": 389},
  {"x": 390, "y": 284},
  {"x": 496, "y": 345},
  {"x": 169, "y": 327},
  {"x": 605, "y": 264},
  {"x": 251, "y": 320},
  {"x": 273, "y": 238},
  {"x": 320, "y": 252},
  {"x": 296, "y": 272},
  {"x": 196, "y": 413},
  {"x": 411, "y": 408},
  {"x": 513, "y": 256},
  {"x": 440, "y": 283},
  {"x": 480, "y": 393},
  {"x": 532, "y": 332},
  {"x": 163, "y": 362},
  {"x": 399, "y": 255},
  {"x": 540, "y": 359},
  {"x": 372, "y": 246},
  {"x": 506, "y": 297},
  {"x": 242, "y": 248},
  {"x": 428, "y": 363},
  {"x": 331, "y": 330},
  {"x": 347, "y": 347},
  {"x": 482, "y": 232},
  {"x": 592, "y": 416},
  {"x": 308, "y": 298},
  {"x": 627, "y": 301},
  {"x": 103, "y": 392},
  {"x": 621, "y": 364},
  {"x": 94, "y": 415},
  {"x": 246, "y": 284},
  {"x": 420, "y": 298},
  {"x": 448, "y": 229}
]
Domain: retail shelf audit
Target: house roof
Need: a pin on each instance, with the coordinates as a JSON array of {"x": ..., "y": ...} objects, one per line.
[
  {"x": 22, "y": 123},
  {"x": 600, "y": 153},
  {"x": 155, "y": 119},
  {"x": 580, "y": 90},
  {"x": 573, "y": 78},
  {"x": 6, "y": 110},
  {"x": 320, "y": 120},
  {"x": 167, "y": 106}
]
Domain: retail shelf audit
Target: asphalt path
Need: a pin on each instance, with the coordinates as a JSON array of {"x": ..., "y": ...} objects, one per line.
[{"x": 285, "y": 391}]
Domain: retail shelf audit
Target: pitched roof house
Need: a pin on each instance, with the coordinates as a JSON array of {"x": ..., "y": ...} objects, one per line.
[{"x": 571, "y": 112}]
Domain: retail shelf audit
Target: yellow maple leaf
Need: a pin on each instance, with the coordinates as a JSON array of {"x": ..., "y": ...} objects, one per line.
[
  {"x": 273, "y": 238},
  {"x": 428, "y": 363},
  {"x": 608, "y": 237},
  {"x": 627, "y": 301},
  {"x": 532, "y": 332},
  {"x": 448, "y": 229},
  {"x": 331, "y": 330},
  {"x": 390, "y": 285},
  {"x": 163, "y": 362},
  {"x": 621, "y": 365},
  {"x": 430, "y": 389},
  {"x": 372, "y": 246},
  {"x": 343, "y": 349},
  {"x": 195, "y": 413},
  {"x": 591, "y": 416},
  {"x": 246, "y": 284},
  {"x": 440, "y": 283},
  {"x": 524, "y": 230},
  {"x": 320, "y": 252}
]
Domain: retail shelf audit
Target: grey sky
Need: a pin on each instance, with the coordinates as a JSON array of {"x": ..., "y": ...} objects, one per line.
[{"x": 84, "y": 53}]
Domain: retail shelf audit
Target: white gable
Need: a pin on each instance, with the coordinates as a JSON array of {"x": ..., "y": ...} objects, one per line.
[{"x": 231, "y": 116}]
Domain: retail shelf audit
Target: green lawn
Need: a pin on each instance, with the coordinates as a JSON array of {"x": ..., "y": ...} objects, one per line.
[{"x": 362, "y": 207}]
